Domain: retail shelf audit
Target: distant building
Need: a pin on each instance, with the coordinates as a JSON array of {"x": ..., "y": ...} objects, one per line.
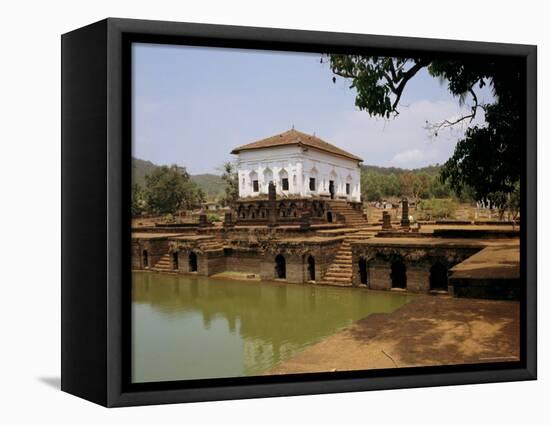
[{"x": 300, "y": 165}]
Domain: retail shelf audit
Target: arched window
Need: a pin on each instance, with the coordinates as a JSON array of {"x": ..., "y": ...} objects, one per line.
[
  {"x": 348, "y": 185},
  {"x": 283, "y": 177},
  {"x": 268, "y": 177},
  {"x": 313, "y": 180},
  {"x": 331, "y": 184},
  {"x": 254, "y": 181}
]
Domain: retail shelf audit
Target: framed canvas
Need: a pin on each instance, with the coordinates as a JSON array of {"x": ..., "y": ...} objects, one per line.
[{"x": 255, "y": 212}]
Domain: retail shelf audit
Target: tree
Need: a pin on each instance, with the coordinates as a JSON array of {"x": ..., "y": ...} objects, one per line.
[
  {"x": 406, "y": 184},
  {"x": 371, "y": 186},
  {"x": 438, "y": 188},
  {"x": 138, "y": 200},
  {"x": 421, "y": 184},
  {"x": 168, "y": 189},
  {"x": 414, "y": 185},
  {"x": 231, "y": 179},
  {"x": 486, "y": 159}
]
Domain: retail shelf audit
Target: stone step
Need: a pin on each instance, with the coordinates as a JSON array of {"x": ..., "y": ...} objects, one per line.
[
  {"x": 338, "y": 280},
  {"x": 339, "y": 260},
  {"x": 164, "y": 263},
  {"x": 339, "y": 271},
  {"x": 340, "y": 265},
  {"x": 341, "y": 278},
  {"x": 340, "y": 274},
  {"x": 340, "y": 268},
  {"x": 163, "y": 267}
]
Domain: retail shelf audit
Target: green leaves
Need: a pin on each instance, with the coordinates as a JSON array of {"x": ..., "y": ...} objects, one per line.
[
  {"x": 487, "y": 160},
  {"x": 231, "y": 178},
  {"x": 378, "y": 184},
  {"x": 169, "y": 189}
]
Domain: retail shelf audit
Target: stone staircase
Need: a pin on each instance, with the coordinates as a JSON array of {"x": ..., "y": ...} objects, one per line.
[
  {"x": 211, "y": 245},
  {"x": 352, "y": 217},
  {"x": 340, "y": 271},
  {"x": 164, "y": 264},
  {"x": 361, "y": 235}
]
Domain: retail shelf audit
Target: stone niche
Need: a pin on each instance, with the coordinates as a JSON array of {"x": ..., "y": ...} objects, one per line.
[
  {"x": 287, "y": 211},
  {"x": 413, "y": 267}
]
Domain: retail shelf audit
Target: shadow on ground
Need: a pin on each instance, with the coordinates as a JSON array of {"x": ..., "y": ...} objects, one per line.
[
  {"x": 437, "y": 330},
  {"x": 54, "y": 382}
]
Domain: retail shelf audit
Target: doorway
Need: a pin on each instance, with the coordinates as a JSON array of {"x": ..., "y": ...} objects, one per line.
[
  {"x": 398, "y": 274},
  {"x": 331, "y": 189},
  {"x": 145, "y": 259},
  {"x": 311, "y": 268},
  {"x": 363, "y": 271},
  {"x": 439, "y": 277},
  {"x": 193, "y": 262},
  {"x": 175, "y": 261},
  {"x": 280, "y": 267}
]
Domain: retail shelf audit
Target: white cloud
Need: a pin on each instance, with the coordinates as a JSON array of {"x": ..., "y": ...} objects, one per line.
[
  {"x": 403, "y": 141},
  {"x": 405, "y": 158}
]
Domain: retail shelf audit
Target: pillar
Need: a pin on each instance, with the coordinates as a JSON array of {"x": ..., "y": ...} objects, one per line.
[{"x": 405, "y": 223}]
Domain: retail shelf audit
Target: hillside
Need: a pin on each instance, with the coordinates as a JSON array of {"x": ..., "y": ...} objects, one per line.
[
  {"x": 212, "y": 185},
  {"x": 429, "y": 170},
  {"x": 139, "y": 169}
]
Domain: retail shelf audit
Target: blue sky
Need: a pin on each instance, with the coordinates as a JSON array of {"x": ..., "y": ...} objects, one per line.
[{"x": 193, "y": 105}]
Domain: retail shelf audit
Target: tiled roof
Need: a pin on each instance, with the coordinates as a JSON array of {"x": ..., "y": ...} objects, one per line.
[{"x": 294, "y": 137}]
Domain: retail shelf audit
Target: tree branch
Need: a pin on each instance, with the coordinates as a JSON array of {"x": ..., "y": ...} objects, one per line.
[
  {"x": 404, "y": 79},
  {"x": 436, "y": 127}
]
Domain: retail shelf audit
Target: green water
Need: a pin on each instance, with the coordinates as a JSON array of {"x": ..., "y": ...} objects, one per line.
[{"x": 196, "y": 327}]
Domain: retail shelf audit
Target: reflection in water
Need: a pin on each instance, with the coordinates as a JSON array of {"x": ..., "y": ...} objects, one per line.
[{"x": 196, "y": 327}]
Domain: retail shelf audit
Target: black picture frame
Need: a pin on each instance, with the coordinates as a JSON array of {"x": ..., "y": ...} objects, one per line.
[{"x": 96, "y": 229}]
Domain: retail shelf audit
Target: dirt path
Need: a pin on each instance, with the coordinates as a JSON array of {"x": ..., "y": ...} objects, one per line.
[{"x": 431, "y": 330}]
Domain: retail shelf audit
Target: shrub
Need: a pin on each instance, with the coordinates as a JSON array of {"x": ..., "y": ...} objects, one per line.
[
  {"x": 437, "y": 208},
  {"x": 213, "y": 218}
]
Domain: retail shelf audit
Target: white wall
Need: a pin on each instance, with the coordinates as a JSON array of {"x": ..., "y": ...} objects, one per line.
[{"x": 299, "y": 165}]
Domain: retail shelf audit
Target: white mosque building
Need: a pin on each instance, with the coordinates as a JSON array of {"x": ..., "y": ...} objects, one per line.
[{"x": 300, "y": 165}]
